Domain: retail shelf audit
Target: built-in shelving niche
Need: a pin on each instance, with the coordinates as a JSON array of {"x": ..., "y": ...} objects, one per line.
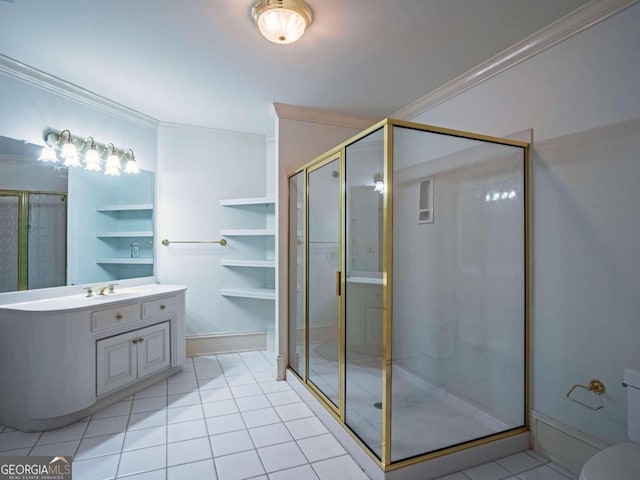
[
  {"x": 126, "y": 239},
  {"x": 250, "y": 260}
]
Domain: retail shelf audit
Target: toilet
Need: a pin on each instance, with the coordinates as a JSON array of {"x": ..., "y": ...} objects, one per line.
[{"x": 622, "y": 461}]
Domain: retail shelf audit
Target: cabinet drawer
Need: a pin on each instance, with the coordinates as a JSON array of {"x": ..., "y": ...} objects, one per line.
[
  {"x": 114, "y": 316},
  {"x": 161, "y": 306}
]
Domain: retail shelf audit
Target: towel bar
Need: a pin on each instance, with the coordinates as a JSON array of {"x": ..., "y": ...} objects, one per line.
[
  {"x": 166, "y": 242},
  {"x": 595, "y": 386}
]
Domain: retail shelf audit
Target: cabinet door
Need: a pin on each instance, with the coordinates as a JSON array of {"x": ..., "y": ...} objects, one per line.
[
  {"x": 116, "y": 362},
  {"x": 153, "y": 349}
]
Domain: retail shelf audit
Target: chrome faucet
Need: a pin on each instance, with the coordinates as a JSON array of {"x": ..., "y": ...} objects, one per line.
[
  {"x": 110, "y": 288},
  {"x": 89, "y": 291}
]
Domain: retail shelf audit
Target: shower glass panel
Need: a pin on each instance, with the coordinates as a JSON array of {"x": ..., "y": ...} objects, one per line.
[
  {"x": 458, "y": 292},
  {"x": 296, "y": 274},
  {"x": 9, "y": 243},
  {"x": 323, "y": 267},
  {"x": 47, "y": 240},
  {"x": 364, "y": 167}
]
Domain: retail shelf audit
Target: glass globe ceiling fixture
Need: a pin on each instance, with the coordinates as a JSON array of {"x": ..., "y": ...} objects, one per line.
[{"x": 282, "y": 21}]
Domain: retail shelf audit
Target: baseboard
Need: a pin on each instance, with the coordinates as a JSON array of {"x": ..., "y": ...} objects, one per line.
[
  {"x": 225, "y": 343},
  {"x": 564, "y": 445}
]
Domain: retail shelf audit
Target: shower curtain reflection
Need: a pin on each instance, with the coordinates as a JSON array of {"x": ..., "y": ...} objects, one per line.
[
  {"x": 33, "y": 240},
  {"x": 47, "y": 259}
]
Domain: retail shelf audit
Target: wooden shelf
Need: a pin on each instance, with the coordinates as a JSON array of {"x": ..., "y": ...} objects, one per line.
[
  {"x": 125, "y": 207},
  {"x": 248, "y": 263},
  {"x": 247, "y": 201},
  {"x": 126, "y": 261},
  {"x": 124, "y": 234},
  {"x": 251, "y": 232},
  {"x": 259, "y": 293}
]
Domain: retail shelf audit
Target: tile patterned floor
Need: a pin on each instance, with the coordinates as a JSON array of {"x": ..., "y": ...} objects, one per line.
[{"x": 223, "y": 417}]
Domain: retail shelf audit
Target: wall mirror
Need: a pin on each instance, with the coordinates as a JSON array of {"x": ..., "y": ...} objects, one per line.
[{"x": 66, "y": 226}]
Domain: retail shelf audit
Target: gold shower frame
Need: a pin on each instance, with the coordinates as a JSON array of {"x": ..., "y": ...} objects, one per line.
[{"x": 338, "y": 412}]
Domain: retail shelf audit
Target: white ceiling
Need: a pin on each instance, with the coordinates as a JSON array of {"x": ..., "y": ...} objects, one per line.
[{"x": 203, "y": 62}]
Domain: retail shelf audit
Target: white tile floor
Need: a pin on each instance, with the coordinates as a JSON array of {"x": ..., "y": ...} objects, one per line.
[{"x": 223, "y": 418}]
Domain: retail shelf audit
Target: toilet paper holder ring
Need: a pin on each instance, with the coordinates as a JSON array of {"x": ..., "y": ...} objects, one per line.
[{"x": 595, "y": 386}]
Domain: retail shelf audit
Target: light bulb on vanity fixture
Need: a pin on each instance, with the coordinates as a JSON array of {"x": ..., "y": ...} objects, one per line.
[
  {"x": 113, "y": 162},
  {"x": 282, "y": 21},
  {"x": 48, "y": 154},
  {"x": 69, "y": 151},
  {"x": 131, "y": 165},
  {"x": 92, "y": 157}
]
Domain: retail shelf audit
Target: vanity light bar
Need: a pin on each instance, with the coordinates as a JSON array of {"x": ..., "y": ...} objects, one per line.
[{"x": 71, "y": 147}]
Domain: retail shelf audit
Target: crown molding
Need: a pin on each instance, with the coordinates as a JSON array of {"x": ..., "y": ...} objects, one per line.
[
  {"x": 185, "y": 128},
  {"x": 324, "y": 117},
  {"x": 574, "y": 22},
  {"x": 50, "y": 83}
]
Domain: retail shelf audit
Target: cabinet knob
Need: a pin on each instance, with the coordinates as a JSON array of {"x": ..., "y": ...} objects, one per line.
[
  {"x": 135, "y": 340},
  {"x": 141, "y": 340},
  {"x": 118, "y": 316},
  {"x": 163, "y": 306}
]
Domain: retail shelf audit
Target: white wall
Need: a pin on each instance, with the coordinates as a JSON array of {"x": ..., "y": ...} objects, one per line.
[
  {"x": 271, "y": 176},
  {"x": 197, "y": 168},
  {"x": 577, "y": 97}
]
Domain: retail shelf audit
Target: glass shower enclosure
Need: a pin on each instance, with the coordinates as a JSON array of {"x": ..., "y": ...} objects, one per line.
[{"x": 408, "y": 288}]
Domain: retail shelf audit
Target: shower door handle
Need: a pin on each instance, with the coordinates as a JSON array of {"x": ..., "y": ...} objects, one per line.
[{"x": 338, "y": 283}]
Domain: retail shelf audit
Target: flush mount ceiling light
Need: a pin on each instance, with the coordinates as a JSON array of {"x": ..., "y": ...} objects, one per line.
[{"x": 282, "y": 21}]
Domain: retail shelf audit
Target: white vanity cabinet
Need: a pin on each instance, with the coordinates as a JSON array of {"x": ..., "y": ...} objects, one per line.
[
  {"x": 63, "y": 358},
  {"x": 125, "y": 358}
]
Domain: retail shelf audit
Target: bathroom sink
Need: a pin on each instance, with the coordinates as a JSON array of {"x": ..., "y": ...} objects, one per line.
[
  {"x": 74, "y": 302},
  {"x": 115, "y": 296}
]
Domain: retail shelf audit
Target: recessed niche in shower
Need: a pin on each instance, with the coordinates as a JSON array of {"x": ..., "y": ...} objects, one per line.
[{"x": 425, "y": 201}]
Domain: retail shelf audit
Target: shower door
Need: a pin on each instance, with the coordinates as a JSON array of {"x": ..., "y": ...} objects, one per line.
[{"x": 324, "y": 278}]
